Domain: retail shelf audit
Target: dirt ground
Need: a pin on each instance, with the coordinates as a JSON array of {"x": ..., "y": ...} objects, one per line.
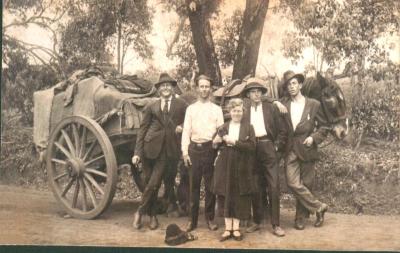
[{"x": 29, "y": 216}]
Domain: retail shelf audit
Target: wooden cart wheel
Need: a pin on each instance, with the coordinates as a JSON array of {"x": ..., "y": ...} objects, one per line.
[{"x": 81, "y": 167}]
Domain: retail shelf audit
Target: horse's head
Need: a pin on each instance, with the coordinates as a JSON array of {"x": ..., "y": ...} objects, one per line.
[
  {"x": 334, "y": 105},
  {"x": 332, "y": 100}
]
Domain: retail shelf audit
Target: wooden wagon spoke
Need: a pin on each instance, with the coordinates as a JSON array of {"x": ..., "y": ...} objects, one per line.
[
  {"x": 94, "y": 160},
  {"x": 76, "y": 139},
  {"x": 83, "y": 142},
  {"x": 84, "y": 202},
  {"x": 66, "y": 189},
  {"x": 59, "y": 161},
  {"x": 97, "y": 172},
  {"x": 76, "y": 192},
  {"x": 66, "y": 153},
  {"x": 69, "y": 142},
  {"x": 60, "y": 176},
  {"x": 90, "y": 149},
  {"x": 94, "y": 183},
  {"x": 91, "y": 193}
]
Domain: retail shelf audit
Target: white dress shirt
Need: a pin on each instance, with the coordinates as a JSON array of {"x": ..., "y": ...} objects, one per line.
[
  {"x": 257, "y": 120},
  {"x": 296, "y": 111},
  {"x": 201, "y": 122}
]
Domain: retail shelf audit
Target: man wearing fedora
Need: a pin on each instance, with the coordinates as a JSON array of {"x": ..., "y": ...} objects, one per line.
[
  {"x": 305, "y": 124},
  {"x": 270, "y": 137},
  {"x": 158, "y": 145},
  {"x": 202, "y": 120}
]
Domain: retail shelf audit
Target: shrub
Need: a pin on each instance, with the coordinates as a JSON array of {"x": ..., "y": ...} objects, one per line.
[{"x": 375, "y": 110}]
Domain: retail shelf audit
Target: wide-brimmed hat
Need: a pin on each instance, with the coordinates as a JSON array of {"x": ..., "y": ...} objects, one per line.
[
  {"x": 204, "y": 77},
  {"x": 175, "y": 236},
  {"x": 165, "y": 78},
  {"x": 289, "y": 75},
  {"x": 254, "y": 83}
]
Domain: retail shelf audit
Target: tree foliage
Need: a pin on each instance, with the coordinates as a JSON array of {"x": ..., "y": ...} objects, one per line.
[
  {"x": 227, "y": 40},
  {"x": 99, "y": 28},
  {"x": 341, "y": 30}
]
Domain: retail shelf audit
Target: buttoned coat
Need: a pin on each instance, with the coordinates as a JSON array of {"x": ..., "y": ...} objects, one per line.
[
  {"x": 312, "y": 123},
  {"x": 156, "y": 131}
]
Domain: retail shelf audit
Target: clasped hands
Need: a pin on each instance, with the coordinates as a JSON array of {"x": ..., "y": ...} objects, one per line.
[{"x": 228, "y": 140}]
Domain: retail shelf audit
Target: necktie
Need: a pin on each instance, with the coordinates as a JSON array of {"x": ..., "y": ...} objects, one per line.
[
  {"x": 255, "y": 107},
  {"x": 165, "y": 109}
]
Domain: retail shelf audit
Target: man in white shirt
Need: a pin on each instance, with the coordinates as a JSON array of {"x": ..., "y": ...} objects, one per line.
[
  {"x": 271, "y": 136},
  {"x": 301, "y": 151},
  {"x": 200, "y": 125}
]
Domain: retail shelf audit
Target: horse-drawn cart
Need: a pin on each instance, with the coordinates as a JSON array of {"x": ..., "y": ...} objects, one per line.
[{"x": 84, "y": 130}]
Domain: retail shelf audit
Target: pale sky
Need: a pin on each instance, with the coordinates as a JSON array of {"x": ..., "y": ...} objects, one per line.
[{"x": 270, "y": 57}]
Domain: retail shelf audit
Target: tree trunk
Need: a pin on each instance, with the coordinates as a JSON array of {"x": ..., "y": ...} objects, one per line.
[
  {"x": 207, "y": 60},
  {"x": 246, "y": 55},
  {"x": 119, "y": 47}
]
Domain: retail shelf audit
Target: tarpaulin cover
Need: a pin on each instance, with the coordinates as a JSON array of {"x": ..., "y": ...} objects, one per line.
[{"x": 92, "y": 98}]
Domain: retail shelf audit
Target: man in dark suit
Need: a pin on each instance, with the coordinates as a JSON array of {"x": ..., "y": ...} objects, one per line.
[
  {"x": 305, "y": 115},
  {"x": 270, "y": 136},
  {"x": 158, "y": 145}
]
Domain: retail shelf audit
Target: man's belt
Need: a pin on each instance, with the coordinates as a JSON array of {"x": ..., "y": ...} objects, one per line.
[
  {"x": 263, "y": 138},
  {"x": 201, "y": 145}
]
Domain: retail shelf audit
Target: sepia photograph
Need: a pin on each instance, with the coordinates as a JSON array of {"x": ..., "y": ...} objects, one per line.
[{"x": 200, "y": 125}]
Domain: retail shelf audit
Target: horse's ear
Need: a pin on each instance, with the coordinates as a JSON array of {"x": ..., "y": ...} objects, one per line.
[{"x": 321, "y": 80}]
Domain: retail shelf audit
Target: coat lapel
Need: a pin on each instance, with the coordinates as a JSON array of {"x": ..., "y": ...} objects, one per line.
[
  {"x": 288, "y": 117},
  {"x": 157, "y": 110},
  {"x": 242, "y": 133},
  {"x": 172, "y": 107},
  {"x": 266, "y": 116},
  {"x": 306, "y": 113}
]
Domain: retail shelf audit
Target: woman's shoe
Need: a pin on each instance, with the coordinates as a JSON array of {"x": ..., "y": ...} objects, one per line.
[
  {"x": 226, "y": 235},
  {"x": 237, "y": 235}
]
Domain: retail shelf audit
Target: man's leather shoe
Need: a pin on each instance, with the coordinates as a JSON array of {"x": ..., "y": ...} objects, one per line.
[
  {"x": 253, "y": 228},
  {"x": 320, "y": 215},
  {"x": 153, "y": 223},
  {"x": 299, "y": 224},
  {"x": 278, "y": 231},
  {"x": 137, "y": 220},
  {"x": 211, "y": 225},
  {"x": 190, "y": 226}
]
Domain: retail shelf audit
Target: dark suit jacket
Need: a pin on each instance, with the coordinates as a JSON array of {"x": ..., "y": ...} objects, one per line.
[
  {"x": 241, "y": 159},
  {"x": 273, "y": 121},
  {"x": 155, "y": 132},
  {"x": 312, "y": 124}
]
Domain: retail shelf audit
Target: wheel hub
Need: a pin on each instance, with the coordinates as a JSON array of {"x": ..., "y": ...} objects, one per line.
[{"x": 78, "y": 167}]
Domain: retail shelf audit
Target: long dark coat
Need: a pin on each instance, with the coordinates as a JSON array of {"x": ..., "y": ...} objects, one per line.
[
  {"x": 156, "y": 132},
  {"x": 233, "y": 174}
]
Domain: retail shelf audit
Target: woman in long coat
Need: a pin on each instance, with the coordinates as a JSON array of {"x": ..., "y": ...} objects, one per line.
[{"x": 233, "y": 174}]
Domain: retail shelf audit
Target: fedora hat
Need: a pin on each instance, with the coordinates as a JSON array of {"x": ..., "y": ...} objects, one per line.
[
  {"x": 165, "y": 78},
  {"x": 254, "y": 83},
  {"x": 289, "y": 75},
  {"x": 204, "y": 77},
  {"x": 175, "y": 236}
]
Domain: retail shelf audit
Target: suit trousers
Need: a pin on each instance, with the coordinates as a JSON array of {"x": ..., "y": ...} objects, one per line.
[
  {"x": 202, "y": 158},
  {"x": 169, "y": 182},
  {"x": 154, "y": 170},
  {"x": 300, "y": 177},
  {"x": 268, "y": 168}
]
